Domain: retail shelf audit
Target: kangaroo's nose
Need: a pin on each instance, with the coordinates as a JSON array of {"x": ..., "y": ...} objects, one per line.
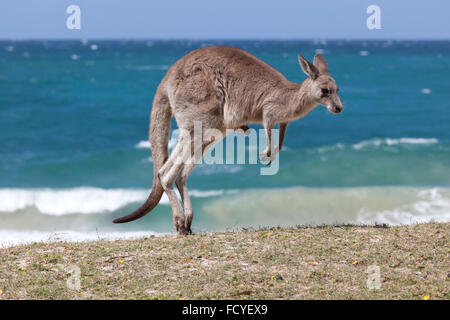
[{"x": 338, "y": 109}]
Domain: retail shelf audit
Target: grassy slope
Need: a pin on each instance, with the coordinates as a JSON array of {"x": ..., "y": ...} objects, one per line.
[{"x": 311, "y": 263}]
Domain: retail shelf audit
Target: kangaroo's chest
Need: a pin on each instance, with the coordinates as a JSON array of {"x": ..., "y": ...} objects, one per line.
[{"x": 235, "y": 115}]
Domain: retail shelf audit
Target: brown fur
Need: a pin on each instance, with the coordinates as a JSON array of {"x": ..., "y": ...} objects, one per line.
[{"x": 224, "y": 88}]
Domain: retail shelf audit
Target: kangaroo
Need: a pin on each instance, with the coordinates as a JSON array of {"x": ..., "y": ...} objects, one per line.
[{"x": 223, "y": 88}]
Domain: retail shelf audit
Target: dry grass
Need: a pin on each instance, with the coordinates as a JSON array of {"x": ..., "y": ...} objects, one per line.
[{"x": 296, "y": 263}]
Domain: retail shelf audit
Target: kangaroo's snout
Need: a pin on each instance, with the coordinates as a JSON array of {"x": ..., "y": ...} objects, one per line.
[{"x": 336, "y": 108}]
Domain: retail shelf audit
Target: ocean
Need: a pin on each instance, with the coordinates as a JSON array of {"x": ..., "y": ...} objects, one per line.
[{"x": 74, "y": 153}]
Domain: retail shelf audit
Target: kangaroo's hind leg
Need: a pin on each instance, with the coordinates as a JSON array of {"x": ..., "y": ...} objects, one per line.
[
  {"x": 167, "y": 176},
  {"x": 181, "y": 184}
]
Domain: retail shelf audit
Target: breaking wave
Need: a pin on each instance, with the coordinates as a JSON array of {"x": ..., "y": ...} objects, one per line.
[
  {"x": 379, "y": 142},
  {"x": 81, "y": 200},
  {"x": 392, "y": 142},
  {"x": 316, "y": 206},
  {"x": 145, "y": 144}
]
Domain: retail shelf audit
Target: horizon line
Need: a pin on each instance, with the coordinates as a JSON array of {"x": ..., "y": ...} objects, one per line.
[{"x": 220, "y": 39}]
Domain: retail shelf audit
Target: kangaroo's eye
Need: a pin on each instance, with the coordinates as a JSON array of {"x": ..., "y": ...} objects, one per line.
[{"x": 325, "y": 91}]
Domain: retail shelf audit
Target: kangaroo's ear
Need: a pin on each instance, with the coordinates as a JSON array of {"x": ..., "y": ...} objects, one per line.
[
  {"x": 308, "y": 67},
  {"x": 321, "y": 63}
]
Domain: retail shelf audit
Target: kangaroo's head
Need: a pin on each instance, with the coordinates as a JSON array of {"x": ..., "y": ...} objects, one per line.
[{"x": 323, "y": 88}]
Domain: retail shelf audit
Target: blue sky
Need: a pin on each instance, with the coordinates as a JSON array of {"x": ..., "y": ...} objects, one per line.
[{"x": 229, "y": 19}]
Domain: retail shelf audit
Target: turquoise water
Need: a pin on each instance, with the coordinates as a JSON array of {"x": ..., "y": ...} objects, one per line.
[{"x": 74, "y": 121}]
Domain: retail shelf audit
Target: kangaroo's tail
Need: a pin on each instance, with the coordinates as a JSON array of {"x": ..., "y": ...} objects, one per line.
[{"x": 159, "y": 139}]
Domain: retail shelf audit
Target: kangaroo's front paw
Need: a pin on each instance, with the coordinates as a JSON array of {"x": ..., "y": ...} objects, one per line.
[{"x": 265, "y": 156}]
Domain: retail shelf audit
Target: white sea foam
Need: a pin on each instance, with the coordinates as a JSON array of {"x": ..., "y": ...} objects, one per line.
[
  {"x": 315, "y": 206},
  {"x": 377, "y": 142},
  {"x": 66, "y": 201},
  {"x": 82, "y": 200},
  {"x": 210, "y": 193},
  {"x": 145, "y": 144},
  {"x": 281, "y": 207},
  {"x": 337, "y": 146},
  {"x": 147, "y": 67},
  {"x": 15, "y": 237},
  {"x": 390, "y": 142},
  {"x": 430, "y": 205}
]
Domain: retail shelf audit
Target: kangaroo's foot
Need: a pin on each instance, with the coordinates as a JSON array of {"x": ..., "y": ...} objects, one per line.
[
  {"x": 180, "y": 224},
  {"x": 182, "y": 231},
  {"x": 183, "y": 225},
  {"x": 189, "y": 215}
]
